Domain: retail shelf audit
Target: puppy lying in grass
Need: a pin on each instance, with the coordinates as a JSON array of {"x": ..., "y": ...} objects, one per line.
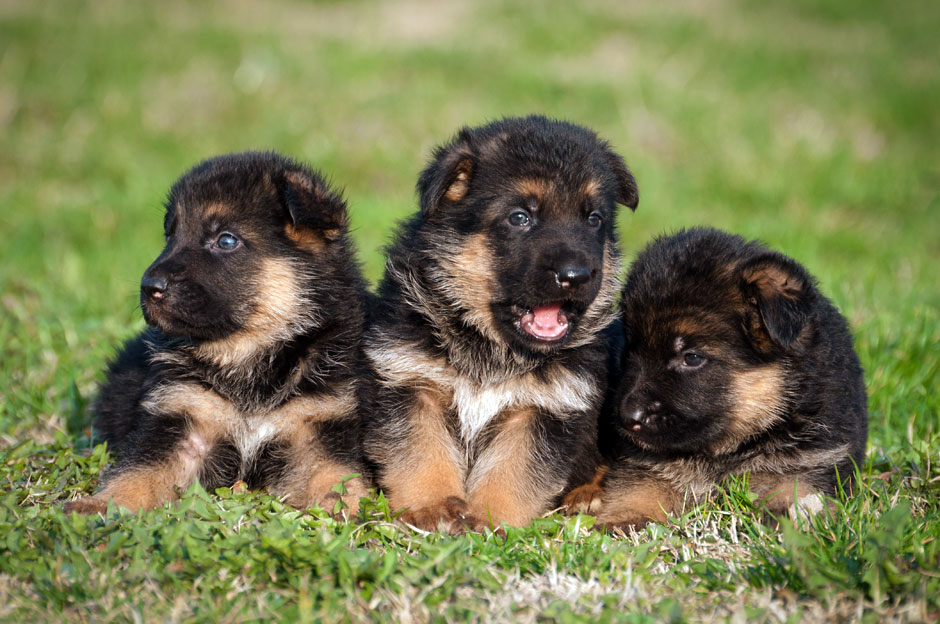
[
  {"x": 250, "y": 367},
  {"x": 733, "y": 363}
]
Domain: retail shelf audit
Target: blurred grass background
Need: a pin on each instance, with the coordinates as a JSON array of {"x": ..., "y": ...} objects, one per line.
[{"x": 811, "y": 124}]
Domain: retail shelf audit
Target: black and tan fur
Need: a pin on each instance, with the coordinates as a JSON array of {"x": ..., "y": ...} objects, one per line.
[
  {"x": 250, "y": 368},
  {"x": 475, "y": 420},
  {"x": 734, "y": 364}
]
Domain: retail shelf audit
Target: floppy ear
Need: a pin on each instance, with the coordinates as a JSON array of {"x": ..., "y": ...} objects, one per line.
[
  {"x": 447, "y": 177},
  {"x": 312, "y": 204},
  {"x": 627, "y": 192},
  {"x": 783, "y": 294}
]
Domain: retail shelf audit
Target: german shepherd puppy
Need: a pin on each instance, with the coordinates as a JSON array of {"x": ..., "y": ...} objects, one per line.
[
  {"x": 249, "y": 370},
  {"x": 734, "y": 364},
  {"x": 485, "y": 344}
]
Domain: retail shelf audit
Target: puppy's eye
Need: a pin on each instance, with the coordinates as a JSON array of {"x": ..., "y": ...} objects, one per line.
[
  {"x": 518, "y": 218},
  {"x": 693, "y": 360},
  {"x": 594, "y": 219},
  {"x": 226, "y": 242}
]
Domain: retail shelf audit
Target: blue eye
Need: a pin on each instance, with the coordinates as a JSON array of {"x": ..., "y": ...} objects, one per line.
[
  {"x": 518, "y": 218},
  {"x": 693, "y": 360},
  {"x": 226, "y": 242},
  {"x": 594, "y": 219}
]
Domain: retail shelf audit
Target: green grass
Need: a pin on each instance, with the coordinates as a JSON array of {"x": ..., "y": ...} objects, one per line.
[{"x": 810, "y": 124}]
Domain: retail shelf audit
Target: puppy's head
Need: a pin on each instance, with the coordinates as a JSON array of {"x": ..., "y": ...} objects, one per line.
[
  {"x": 524, "y": 212},
  {"x": 712, "y": 324},
  {"x": 247, "y": 236}
]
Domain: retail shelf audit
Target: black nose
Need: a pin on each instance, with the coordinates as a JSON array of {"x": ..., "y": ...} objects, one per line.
[
  {"x": 154, "y": 287},
  {"x": 572, "y": 275},
  {"x": 634, "y": 416}
]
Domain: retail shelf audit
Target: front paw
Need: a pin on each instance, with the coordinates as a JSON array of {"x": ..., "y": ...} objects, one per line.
[
  {"x": 482, "y": 525},
  {"x": 452, "y": 515},
  {"x": 86, "y": 505},
  {"x": 583, "y": 499},
  {"x": 625, "y": 525},
  {"x": 345, "y": 506}
]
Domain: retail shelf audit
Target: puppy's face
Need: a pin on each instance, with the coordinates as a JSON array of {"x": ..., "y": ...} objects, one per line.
[
  {"x": 708, "y": 339},
  {"x": 240, "y": 232},
  {"x": 533, "y": 204},
  {"x": 689, "y": 378}
]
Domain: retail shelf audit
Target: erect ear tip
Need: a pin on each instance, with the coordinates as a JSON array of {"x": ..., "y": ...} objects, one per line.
[
  {"x": 782, "y": 292},
  {"x": 447, "y": 177},
  {"x": 300, "y": 180},
  {"x": 460, "y": 184},
  {"x": 775, "y": 275},
  {"x": 311, "y": 202},
  {"x": 314, "y": 185},
  {"x": 631, "y": 198},
  {"x": 627, "y": 193}
]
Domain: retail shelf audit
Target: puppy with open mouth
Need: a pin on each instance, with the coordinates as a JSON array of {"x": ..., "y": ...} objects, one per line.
[
  {"x": 486, "y": 341},
  {"x": 250, "y": 368}
]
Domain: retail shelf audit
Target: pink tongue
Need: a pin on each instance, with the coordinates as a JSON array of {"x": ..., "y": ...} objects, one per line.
[{"x": 545, "y": 322}]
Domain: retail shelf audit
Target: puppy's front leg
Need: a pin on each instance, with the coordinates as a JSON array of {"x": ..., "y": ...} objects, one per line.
[
  {"x": 634, "y": 500},
  {"x": 423, "y": 468},
  {"x": 586, "y": 498},
  {"x": 789, "y": 495},
  {"x": 148, "y": 481},
  {"x": 506, "y": 483},
  {"x": 311, "y": 477},
  {"x": 319, "y": 444}
]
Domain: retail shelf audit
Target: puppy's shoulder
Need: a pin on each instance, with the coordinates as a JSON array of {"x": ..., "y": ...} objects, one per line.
[{"x": 129, "y": 377}]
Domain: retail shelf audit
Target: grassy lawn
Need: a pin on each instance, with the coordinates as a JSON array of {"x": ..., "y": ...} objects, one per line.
[{"x": 812, "y": 125}]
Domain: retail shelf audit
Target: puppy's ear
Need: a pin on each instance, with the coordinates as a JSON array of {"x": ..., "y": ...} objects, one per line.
[
  {"x": 312, "y": 205},
  {"x": 627, "y": 192},
  {"x": 447, "y": 177},
  {"x": 783, "y": 294}
]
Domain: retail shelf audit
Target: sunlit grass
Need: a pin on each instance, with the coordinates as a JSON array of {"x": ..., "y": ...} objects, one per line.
[{"x": 810, "y": 125}]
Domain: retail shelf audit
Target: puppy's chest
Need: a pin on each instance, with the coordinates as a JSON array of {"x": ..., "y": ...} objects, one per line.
[
  {"x": 557, "y": 390},
  {"x": 476, "y": 405},
  {"x": 211, "y": 418}
]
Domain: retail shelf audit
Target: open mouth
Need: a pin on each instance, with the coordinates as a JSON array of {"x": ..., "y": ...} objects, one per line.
[{"x": 547, "y": 323}]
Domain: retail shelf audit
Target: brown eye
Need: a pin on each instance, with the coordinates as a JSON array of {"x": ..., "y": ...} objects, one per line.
[
  {"x": 693, "y": 360},
  {"x": 594, "y": 219}
]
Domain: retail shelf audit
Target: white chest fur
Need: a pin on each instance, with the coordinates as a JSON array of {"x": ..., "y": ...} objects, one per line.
[
  {"x": 557, "y": 390},
  {"x": 559, "y": 393},
  {"x": 213, "y": 418}
]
